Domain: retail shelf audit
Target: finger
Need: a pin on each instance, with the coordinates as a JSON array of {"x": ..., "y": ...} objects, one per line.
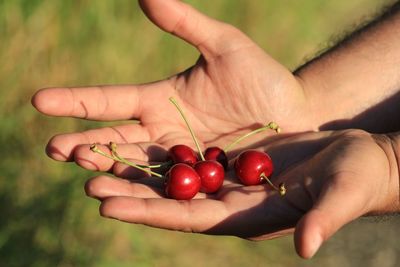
[
  {"x": 340, "y": 202},
  {"x": 98, "y": 102},
  {"x": 210, "y": 36},
  {"x": 101, "y": 187},
  {"x": 196, "y": 215},
  {"x": 141, "y": 153},
  {"x": 62, "y": 147}
]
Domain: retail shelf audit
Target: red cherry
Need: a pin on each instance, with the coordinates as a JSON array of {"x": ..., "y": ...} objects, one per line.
[
  {"x": 211, "y": 174},
  {"x": 252, "y": 166},
  {"x": 182, "y": 154},
  {"x": 182, "y": 182},
  {"x": 217, "y": 154}
]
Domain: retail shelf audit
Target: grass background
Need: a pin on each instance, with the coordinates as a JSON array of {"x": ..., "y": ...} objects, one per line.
[{"x": 45, "y": 218}]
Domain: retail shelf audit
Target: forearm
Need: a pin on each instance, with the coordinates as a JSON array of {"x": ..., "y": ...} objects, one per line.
[{"x": 357, "y": 83}]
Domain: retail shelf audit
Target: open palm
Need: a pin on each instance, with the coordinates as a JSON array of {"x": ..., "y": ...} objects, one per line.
[
  {"x": 234, "y": 86},
  {"x": 332, "y": 178}
]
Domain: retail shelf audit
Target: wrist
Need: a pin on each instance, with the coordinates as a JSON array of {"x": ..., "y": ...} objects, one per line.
[
  {"x": 317, "y": 97},
  {"x": 313, "y": 116},
  {"x": 329, "y": 105},
  {"x": 390, "y": 144},
  {"x": 395, "y": 142}
]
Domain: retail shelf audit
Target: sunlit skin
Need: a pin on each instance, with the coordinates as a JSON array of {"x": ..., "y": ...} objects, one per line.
[
  {"x": 233, "y": 87},
  {"x": 331, "y": 177}
]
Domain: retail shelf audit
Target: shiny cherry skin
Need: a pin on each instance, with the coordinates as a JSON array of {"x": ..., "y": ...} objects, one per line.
[
  {"x": 251, "y": 165},
  {"x": 182, "y": 154},
  {"x": 217, "y": 154},
  {"x": 182, "y": 182},
  {"x": 211, "y": 174}
]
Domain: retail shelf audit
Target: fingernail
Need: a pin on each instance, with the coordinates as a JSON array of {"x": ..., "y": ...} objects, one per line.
[{"x": 315, "y": 245}]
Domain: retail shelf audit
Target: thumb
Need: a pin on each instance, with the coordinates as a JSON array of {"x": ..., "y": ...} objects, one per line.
[
  {"x": 338, "y": 204},
  {"x": 210, "y": 36}
]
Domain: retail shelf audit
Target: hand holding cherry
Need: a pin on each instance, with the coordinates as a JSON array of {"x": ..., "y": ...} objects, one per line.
[
  {"x": 218, "y": 118},
  {"x": 183, "y": 182},
  {"x": 333, "y": 181},
  {"x": 328, "y": 186}
]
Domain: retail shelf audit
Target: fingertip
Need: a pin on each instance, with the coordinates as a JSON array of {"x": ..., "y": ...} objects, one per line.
[
  {"x": 299, "y": 240},
  {"x": 110, "y": 207},
  {"x": 38, "y": 99},
  {"x": 95, "y": 185},
  {"x": 308, "y": 236},
  {"x": 210, "y": 36},
  {"x": 48, "y": 101},
  {"x": 90, "y": 187},
  {"x": 69, "y": 147},
  {"x": 89, "y": 160},
  {"x": 60, "y": 148},
  {"x": 105, "y": 207},
  {"x": 156, "y": 11}
]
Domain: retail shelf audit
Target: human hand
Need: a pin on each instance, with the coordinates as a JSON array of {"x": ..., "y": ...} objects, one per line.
[
  {"x": 332, "y": 178},
  {"x": 233, "y": 86}
]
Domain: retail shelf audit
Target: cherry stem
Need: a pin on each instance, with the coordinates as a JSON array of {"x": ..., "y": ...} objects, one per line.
[
  {"x": 173, "y": 101},
  {"x": 156, "y": 166},
  {"x": 281, "y": 188},
  {"x": 113, "y": 148},
  {"x": 118, "y": 158},
  {"x": 272, "y": 125}
]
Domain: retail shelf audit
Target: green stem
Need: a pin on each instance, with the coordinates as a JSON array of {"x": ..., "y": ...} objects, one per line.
[
  {"x": 156, "y": 166},
  {"x": 281, "y": 188},
  {"x": 115, "y": 157},
  {"x": 173, "y": 101},
  {"x": 271, "y": 125},
  {"x": 113, "y": 147}
]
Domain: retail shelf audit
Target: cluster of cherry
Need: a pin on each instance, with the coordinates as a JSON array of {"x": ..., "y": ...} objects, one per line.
[{"x": 187, "y": 175}]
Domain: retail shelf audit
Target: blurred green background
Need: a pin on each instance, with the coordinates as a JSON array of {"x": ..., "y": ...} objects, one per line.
[{"x": 45, "y": 218}]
